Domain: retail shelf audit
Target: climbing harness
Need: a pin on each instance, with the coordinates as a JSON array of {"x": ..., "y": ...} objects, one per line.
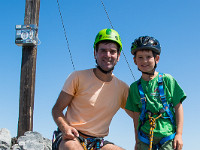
[
  {"x": 90, "y": 143},
  {"x": 57, "y": 138},
  {"x": 152, "y": 122},
  {"x": 143, "y": 137}
]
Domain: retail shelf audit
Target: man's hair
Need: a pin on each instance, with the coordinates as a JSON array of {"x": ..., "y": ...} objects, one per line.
[{"x": 106, "y": 42}]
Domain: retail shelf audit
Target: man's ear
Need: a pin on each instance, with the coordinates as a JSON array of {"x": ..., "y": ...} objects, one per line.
[
  {"x": 134, "y": 60},
  {"x": 94, "y": 53},
  {"x": 118, "y": 56}
]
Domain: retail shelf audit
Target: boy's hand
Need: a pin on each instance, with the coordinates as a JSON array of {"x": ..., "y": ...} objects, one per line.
[{"x": 178, "y": 142}]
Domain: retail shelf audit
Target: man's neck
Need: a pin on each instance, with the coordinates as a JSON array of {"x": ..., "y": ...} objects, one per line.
[{"x": 102, "y": 76}]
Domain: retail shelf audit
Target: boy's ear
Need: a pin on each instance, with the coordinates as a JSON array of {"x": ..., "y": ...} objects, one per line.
[{"x": 157, "y": 58}]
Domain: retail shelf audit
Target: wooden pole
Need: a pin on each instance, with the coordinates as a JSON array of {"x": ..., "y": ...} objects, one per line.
[{"x": 28, "y": 69}]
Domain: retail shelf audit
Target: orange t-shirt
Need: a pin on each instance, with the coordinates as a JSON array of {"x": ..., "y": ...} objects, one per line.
[{"x": 95, "y": 102}]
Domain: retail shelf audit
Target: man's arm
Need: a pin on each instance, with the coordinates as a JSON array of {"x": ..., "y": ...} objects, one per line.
[
  {"x": 62, "y": 102},
  {"x": 130, "y": 113},
  {"x": 135, "y": 117},
  {"x": 178, "y": 142}
]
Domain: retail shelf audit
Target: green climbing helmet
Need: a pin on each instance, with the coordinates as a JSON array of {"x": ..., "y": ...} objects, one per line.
[{"x": 108, "y": 34}]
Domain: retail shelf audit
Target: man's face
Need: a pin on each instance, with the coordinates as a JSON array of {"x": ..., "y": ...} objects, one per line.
[{"x": 107, "y": 56}]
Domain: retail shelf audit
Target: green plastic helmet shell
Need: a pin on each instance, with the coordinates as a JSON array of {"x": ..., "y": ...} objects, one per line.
[{"x": 108, "y": 34}]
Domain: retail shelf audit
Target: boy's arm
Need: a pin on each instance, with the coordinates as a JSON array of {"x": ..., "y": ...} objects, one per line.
[{"x": 178, "y": 142}]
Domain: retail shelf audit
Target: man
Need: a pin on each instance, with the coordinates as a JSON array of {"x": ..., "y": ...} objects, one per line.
[{"x": 92, "y": 98}]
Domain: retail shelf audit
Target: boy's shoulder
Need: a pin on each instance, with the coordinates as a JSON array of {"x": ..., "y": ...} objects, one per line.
[
  {"x": 168, "y": 77},
  {"x": 135, "y": 83}
]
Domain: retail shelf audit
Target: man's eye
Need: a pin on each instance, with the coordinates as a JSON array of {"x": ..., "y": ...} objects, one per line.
[
  {"x": 113, "y": 52},
  {"x": 103, "y": 50}
]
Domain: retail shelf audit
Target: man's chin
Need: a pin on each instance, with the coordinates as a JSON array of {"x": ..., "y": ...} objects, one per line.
[{"x": 109, "y": 69}]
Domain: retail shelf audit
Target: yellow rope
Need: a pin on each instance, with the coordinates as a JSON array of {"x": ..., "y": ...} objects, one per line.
[
  {"x": 152, "y": 122},
  {"x": 84, "y": 146}
]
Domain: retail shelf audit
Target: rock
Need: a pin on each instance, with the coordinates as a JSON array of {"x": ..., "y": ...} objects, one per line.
[
  {"x": 32, "y": 141},
  {"x": 5, "y": 139},
  {"x": 29, "y": 141}
]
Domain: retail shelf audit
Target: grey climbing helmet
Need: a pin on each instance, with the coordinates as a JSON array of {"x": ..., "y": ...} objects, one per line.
[{"x": 146, "y": 42}]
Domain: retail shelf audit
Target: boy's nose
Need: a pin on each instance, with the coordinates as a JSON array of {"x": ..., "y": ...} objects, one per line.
[{"x": 145, "y": 60}]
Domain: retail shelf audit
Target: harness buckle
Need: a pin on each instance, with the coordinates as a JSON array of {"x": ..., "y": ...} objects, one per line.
[
  {"x": 162, "y": 111},
  {"x": 163, "y": 97},
  {"x": 160, "y": 83},
  {"x": 143, "y": 100}
]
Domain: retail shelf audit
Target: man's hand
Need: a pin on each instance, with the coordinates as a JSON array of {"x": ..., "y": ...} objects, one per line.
[{"x": 70, "y": 133}]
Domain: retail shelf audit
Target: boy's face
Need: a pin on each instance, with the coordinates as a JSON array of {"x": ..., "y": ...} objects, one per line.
[
  {"x": 145, "y": 60},
  {"x": 107, "y": 55}
]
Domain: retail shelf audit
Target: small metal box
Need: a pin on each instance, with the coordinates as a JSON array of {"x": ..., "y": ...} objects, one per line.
[{"x": 26, "y": 35}]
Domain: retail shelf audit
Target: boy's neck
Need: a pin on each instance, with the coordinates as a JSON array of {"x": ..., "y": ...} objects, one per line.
[{"x": 147, "y": 77}]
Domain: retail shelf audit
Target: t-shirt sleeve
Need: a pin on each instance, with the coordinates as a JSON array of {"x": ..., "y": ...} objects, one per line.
[
  {"x": 133, "y": 100},
  {"x": 177, "y": 93},
  {"x": 71, "y": 84},
  {"x": 125, "y": 95}
]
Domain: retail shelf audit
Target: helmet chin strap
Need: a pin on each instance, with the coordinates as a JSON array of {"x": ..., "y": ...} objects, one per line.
[
  {"x": 150, "y": 73},
  {"x": 103, "y": 71}
]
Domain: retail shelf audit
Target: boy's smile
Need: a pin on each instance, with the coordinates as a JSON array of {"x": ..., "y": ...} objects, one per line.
[{"x": 145, "y": 60}]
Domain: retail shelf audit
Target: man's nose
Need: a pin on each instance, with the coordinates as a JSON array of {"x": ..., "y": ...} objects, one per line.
[{"x": 108, "y": 54}]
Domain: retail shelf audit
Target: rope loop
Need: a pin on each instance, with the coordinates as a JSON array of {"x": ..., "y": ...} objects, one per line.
[{"x": 152, "y": 122}]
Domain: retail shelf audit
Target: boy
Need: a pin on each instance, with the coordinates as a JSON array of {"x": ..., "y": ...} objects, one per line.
[{"x": 153, "y": 99}]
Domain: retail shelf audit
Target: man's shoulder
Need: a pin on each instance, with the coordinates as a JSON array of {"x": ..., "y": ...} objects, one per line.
[
  {"x": 121, "y": 82},
  {"x": 82, "y": 72}
]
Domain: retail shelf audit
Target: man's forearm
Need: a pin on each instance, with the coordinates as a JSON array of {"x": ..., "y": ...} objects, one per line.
[{"x": 59, "y": 119}]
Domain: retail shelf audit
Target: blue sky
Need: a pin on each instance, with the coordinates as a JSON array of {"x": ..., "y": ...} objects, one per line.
[{"x": 175, "y": 23}]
